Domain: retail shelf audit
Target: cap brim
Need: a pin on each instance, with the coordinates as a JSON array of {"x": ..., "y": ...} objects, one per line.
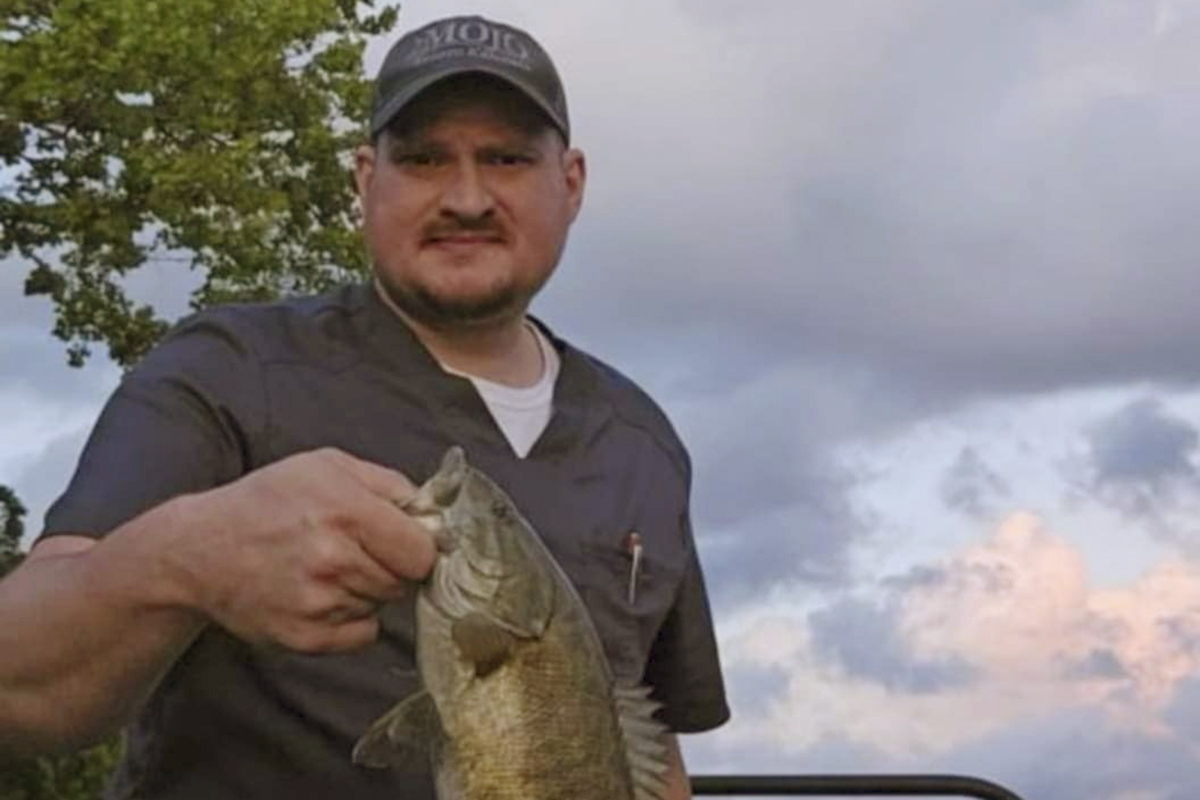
[{"x": 383, "y": 117}]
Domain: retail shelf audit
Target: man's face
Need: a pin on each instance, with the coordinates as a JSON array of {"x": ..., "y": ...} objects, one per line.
[{"x": 467, "y": 201}]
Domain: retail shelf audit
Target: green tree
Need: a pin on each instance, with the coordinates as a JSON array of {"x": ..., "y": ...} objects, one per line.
[
  {"x": 211, "y": 135},
  {"x": 12, "y": 512},
  {"x": 206, "y": 135},
  {"x": 75, "y": 776}
]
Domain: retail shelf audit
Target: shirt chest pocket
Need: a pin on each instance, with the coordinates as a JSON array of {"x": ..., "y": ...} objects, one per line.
[{"x": 629, "y": 594}]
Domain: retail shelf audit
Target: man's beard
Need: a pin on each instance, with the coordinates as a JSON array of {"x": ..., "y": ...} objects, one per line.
[{"x": 441, "y": 313}]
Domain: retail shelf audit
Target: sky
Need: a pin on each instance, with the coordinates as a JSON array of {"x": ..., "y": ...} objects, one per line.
[{"x": 914, "y": 280}]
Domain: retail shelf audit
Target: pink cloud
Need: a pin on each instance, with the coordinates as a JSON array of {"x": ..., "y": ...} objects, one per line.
[{"x": 1018, "y": 608}]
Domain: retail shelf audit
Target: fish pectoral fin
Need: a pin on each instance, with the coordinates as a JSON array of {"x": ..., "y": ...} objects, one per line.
[
  {"x": 403, "y": 737},
  {"x": 482, "y": 642},
  {"x": 645, "y": 741}
]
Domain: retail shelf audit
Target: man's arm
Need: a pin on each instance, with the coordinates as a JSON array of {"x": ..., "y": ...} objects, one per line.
[
  {"x": 297, "y": 554},
  {"x": 678, "y": 785},
  {"x": 88, "y": 631}
]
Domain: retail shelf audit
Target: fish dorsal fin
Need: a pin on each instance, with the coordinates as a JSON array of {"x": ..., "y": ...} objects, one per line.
[{"x": 645, "y": 741}]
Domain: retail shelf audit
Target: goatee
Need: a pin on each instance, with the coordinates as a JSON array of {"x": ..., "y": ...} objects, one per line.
[{"x": 432, "y": 311}]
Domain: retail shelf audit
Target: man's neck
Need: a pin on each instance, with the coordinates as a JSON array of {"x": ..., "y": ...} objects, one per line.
[{"x": 507, "y": 352}]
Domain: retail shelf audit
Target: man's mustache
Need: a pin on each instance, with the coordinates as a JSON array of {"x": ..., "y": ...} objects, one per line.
[{"x": 468, "y": 225}]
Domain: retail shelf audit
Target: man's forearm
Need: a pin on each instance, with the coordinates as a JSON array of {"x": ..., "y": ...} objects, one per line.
[
  {"x": 679, "y": 787},
  {"x": 87, "y": 635}
]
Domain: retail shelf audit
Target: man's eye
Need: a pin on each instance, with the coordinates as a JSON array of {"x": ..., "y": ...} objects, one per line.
[
  {"x": 414, "y": 159},
  {"x": 510, "y": 159}
]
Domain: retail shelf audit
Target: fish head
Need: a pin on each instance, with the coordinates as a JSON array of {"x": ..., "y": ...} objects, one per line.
[{"x": 490, "y": 560}]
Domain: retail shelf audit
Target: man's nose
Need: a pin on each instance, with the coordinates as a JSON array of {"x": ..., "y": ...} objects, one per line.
[{"x": 467, "y": 194}]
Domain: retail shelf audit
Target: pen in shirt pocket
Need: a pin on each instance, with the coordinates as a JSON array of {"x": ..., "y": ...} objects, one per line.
[{"x": 633, "y": 546}]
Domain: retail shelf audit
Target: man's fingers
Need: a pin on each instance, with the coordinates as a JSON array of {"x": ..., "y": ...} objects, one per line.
[
  {"x": 353, "y": 608},
  {"x": 368, "y": 579},
  {"x": 395, "y": 540},
  {"x": 380, "y": 480},
  {"x": 349, "y": 635},
  {"x": 355, "y": 634}
]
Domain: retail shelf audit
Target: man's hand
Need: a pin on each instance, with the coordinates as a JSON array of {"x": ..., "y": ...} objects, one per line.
[{"x": 300, "y": 553}]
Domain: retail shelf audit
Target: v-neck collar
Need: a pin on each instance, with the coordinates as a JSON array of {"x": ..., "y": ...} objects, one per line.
[{"x": 580, "y": 406}]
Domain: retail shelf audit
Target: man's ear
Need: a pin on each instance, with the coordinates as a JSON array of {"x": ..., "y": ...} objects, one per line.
[
  {"x": 364, "y": 168},
  {"x": 575, "y": 172}
]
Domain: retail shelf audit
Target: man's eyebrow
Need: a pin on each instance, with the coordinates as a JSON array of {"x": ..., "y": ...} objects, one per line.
[
  {"x": 418, "y": 142},
  {"x": 414, "y": 142},
  {"x": 511, "y": 146}
]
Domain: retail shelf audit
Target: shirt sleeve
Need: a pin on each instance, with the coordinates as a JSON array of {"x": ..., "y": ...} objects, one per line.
[
  {"x": 684, "y": 667},
  {"x": 180, "y": 422}
]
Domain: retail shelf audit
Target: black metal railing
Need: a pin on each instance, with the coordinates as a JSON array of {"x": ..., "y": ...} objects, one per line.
[{"x": 850, "y": 786}]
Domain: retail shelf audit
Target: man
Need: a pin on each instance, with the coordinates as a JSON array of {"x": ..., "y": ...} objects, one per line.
[{"x": 228, "y": 573}]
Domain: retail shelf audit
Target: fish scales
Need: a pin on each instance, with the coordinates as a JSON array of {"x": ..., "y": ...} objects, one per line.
[
  {"x": 576, "y": 751},
  {"x": 519, "y": 700}
]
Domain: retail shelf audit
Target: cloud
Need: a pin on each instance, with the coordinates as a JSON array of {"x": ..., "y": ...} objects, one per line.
[
  {"x": 1183, "y": 712},
  {"x": 1072, "y": 754},
  {"x": 1074, "y": 690},
  {"x": 1081, "y": 754},
  {"x": 46, "y": 407},
  {"x": 833, "y": 755},
  {"x": 970, "y": 485},
  {"x": 834, "y": 191},
  {"x": 867, "y": 642},
  {"x": 1101, "y": 663},
  {"x": 45, "y": 477},
  {"x": 30, "y": 358},
  {"x": 771, "y": 504},
  {"x": 1141, "y": 458},
  {"x": 755, "y": 688}
]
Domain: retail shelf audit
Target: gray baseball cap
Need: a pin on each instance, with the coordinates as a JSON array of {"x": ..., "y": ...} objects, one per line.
[{"x": 458, "y": 45}]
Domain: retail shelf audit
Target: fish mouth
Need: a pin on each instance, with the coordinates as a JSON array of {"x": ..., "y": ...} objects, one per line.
[{"x": 457, "y": 587}]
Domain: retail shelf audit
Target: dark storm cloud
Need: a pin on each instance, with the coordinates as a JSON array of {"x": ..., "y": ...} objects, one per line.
[
  {"x": 770, "y": 504},
  {"x": 975, "y": 201},
  {"x": 1142, "y": 444},
  {"x": 970, "y": 485},
  {"x": 806, "y": 544},
  {"x": 864, "y": 639},
  {"x": 1140, "y": 457}
]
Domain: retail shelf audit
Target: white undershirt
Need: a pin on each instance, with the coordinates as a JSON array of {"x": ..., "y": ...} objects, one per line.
[{"x": 521, "y": 413}]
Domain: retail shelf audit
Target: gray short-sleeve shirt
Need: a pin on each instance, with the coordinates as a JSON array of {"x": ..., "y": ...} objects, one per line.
[{"x": 238, "y": 387}]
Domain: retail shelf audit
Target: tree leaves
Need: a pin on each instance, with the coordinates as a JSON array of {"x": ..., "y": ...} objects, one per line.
[
  {"x": 211, "y": 134},
  {"x": 216, "y": 134},
  {"x": 12, "y": 512},
  {"x": 77, "y": 776}
]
